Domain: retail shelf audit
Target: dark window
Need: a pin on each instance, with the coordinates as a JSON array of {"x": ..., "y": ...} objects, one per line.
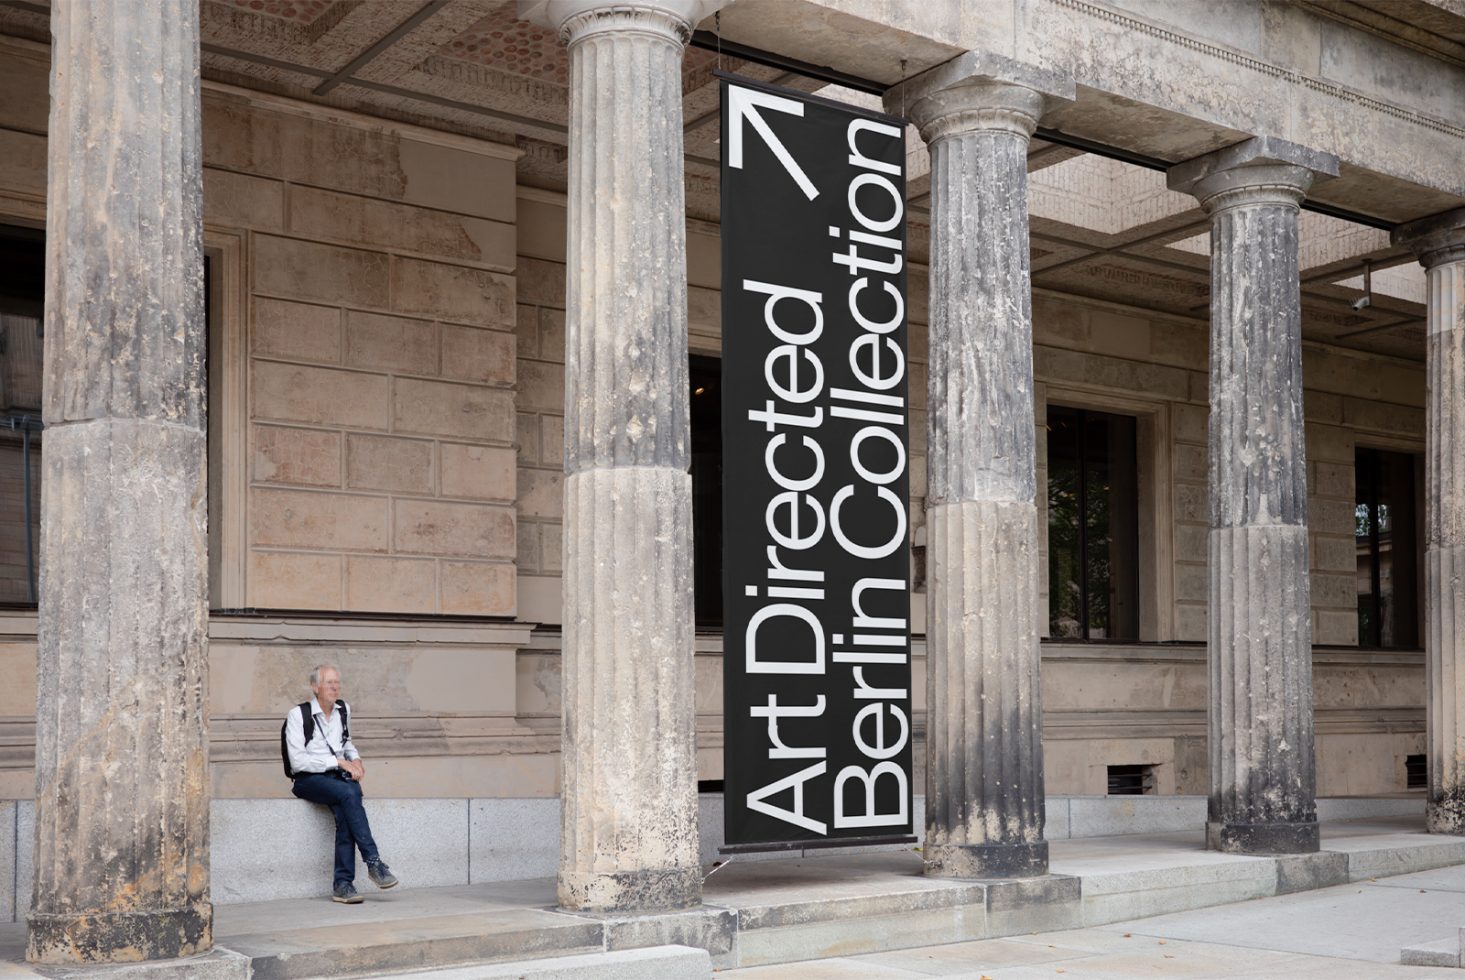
[
  {"x": 1385, "y": 539},
  {"x": 1131, "y": 780},
  {"x": 1416, "y": 775},
  {"x": 706, "y": 395},
  {"x": 22, "y": 297},
  {"x": 1093, "y": 518}
]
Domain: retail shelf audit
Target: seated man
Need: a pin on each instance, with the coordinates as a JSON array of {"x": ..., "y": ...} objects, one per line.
[{"x": 327, "y": 769}]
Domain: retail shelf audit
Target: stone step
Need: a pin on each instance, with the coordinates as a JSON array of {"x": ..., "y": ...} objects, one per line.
[
  {"x": 652, "y": 963},
  {"x": 1441, "y": 952},
  {"x": 414, "y": 943}
]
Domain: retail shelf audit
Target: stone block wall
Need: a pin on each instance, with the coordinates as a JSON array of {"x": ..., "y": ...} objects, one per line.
[
  {"x": 362, "y": 373},
  {"x": 435, "y": 707},
  {"x": 380, "y": 461}
]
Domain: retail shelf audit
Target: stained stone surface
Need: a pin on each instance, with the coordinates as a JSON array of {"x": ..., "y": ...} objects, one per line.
[
  {"x": 984, "y": 770},
  {"x": 629, "y": 838},
  {"x": 1263, "y": 769},
  {"x": 121, "y": 751},
  {"x": 1440, "y": 244}
]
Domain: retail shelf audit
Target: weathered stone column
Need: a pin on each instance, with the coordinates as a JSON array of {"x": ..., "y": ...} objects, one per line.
[
  {"x": 629, "y": 838},
  {"x": 1263, "y": 771},
  {"x": 984, "y": 755},
  {"x": 122, "y": 790},
  {"x": 1440, "y": 244}
]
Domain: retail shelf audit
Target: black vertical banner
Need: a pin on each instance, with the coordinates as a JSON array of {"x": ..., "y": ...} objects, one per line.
[{"x": 816, "y": 563}]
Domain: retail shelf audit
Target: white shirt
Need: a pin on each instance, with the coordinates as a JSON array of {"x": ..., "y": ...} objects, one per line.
[{"x": 325, "y": 744}]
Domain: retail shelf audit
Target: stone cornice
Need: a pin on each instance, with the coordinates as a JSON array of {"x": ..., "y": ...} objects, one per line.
[{"x": 1243, "y": 60}]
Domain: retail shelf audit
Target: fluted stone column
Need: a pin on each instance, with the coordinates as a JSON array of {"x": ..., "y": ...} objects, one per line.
[
  {"x": 122, "y": 790},
  {"x": 1440, "y": 244},
  {"x": 1263, "y": 771},
  {"x": 984, "y": 769},
  {"x": 629, "y": 836}
]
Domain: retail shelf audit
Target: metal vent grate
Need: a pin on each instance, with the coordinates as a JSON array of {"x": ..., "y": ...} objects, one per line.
[
  {"x": 1416, "y": 775},
  {"x": 1131, "y": 780}
]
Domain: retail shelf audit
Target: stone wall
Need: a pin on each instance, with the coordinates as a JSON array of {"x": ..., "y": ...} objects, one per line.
[
  {"x": 381, "y": 364},
  {"x": 363, "y": 368}
]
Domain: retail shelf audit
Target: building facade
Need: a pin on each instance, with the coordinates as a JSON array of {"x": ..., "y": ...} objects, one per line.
[{"x": 384, "y": 335}]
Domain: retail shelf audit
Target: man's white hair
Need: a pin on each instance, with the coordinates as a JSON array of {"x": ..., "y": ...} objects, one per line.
[{"x": 315, "y": 672}]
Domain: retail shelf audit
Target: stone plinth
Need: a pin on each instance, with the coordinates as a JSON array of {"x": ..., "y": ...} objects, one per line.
[
  {"x": 122, "y": 788},
  {"x": 1440, "y": 244},
  {"x": 629, "y": 837},
  {"x": 1263, "y": 769},
  {"x": 984, "y": 775}
]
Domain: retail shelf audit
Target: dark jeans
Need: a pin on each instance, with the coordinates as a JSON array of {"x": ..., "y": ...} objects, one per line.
[{"x": 343, "y": 796}]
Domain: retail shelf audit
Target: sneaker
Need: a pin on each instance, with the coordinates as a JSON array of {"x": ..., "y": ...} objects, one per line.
[
  {"x": 381, "y": 875},
  {"x": 345, "y": 893}
]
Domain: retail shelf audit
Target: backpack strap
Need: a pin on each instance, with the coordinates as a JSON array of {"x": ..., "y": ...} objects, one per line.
[
  {"x": 308, "y": 720},
  {"x": 345, "y": 723}
]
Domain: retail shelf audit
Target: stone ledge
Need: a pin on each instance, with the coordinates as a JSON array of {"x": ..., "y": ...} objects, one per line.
[
  {"x": 1441, "y": 952},
  {"x": 651, "y": 963},
  {"x": 219, "y": 964},
  {"x": 439, "y": 842}
]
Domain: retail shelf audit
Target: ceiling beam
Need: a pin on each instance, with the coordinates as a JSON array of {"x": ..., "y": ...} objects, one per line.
[{"x": 391, "y": 38}]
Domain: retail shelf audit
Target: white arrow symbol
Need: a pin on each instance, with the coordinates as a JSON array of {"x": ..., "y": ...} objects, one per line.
[{"x": 743, "y": 103}]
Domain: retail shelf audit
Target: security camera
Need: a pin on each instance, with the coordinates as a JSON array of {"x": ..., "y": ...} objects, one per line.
[{"x": 1361, "y": 302}]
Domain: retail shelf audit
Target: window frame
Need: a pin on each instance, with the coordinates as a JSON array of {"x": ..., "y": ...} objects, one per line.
[
  {"x": 1154, "y": 486},
  {"x": 35, "y": 221},
  {"x": 227, "y": 366},
  {"x": 1416, "y": 451},
  {"x": 227, "y": 369}
]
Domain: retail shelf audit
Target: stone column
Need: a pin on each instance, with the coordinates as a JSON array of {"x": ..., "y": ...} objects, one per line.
[
  {"x": 629, "y": 836},
  {"x": 984, "y": 768},
  {"x": 1263, "y": 771},
  {"x": 122, "y": 786},
  {"x": 1440, "y": 244}
]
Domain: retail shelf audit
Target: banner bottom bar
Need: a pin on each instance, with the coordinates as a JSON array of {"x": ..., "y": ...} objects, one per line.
[{"x": 800, "y": 845}]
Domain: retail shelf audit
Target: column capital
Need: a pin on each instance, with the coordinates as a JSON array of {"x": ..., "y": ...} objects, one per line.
[
  {"x": 577, "y": 19},
  {"x": 979, "y": 90},
  {"x": 1436, "y": 240},
  {"x": 1261, "y": 170}
]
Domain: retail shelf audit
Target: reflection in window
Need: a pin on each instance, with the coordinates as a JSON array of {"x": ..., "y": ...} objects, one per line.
[
  {"x": 1093, "y": 518},
  {"x": 22, "y": 295},
  {"x": 706, "y": 394},
  {"x": 1385, "y": 543}
]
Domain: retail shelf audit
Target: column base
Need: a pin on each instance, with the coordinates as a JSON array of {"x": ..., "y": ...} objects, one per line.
[
  {"x": 986, "y": 860},
  {"x": 1263, "y": 838},
  {"x": 120, "y": 937},
  {"x": 1445, "y": 816},
  {"x": 658, "y": 890}
]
